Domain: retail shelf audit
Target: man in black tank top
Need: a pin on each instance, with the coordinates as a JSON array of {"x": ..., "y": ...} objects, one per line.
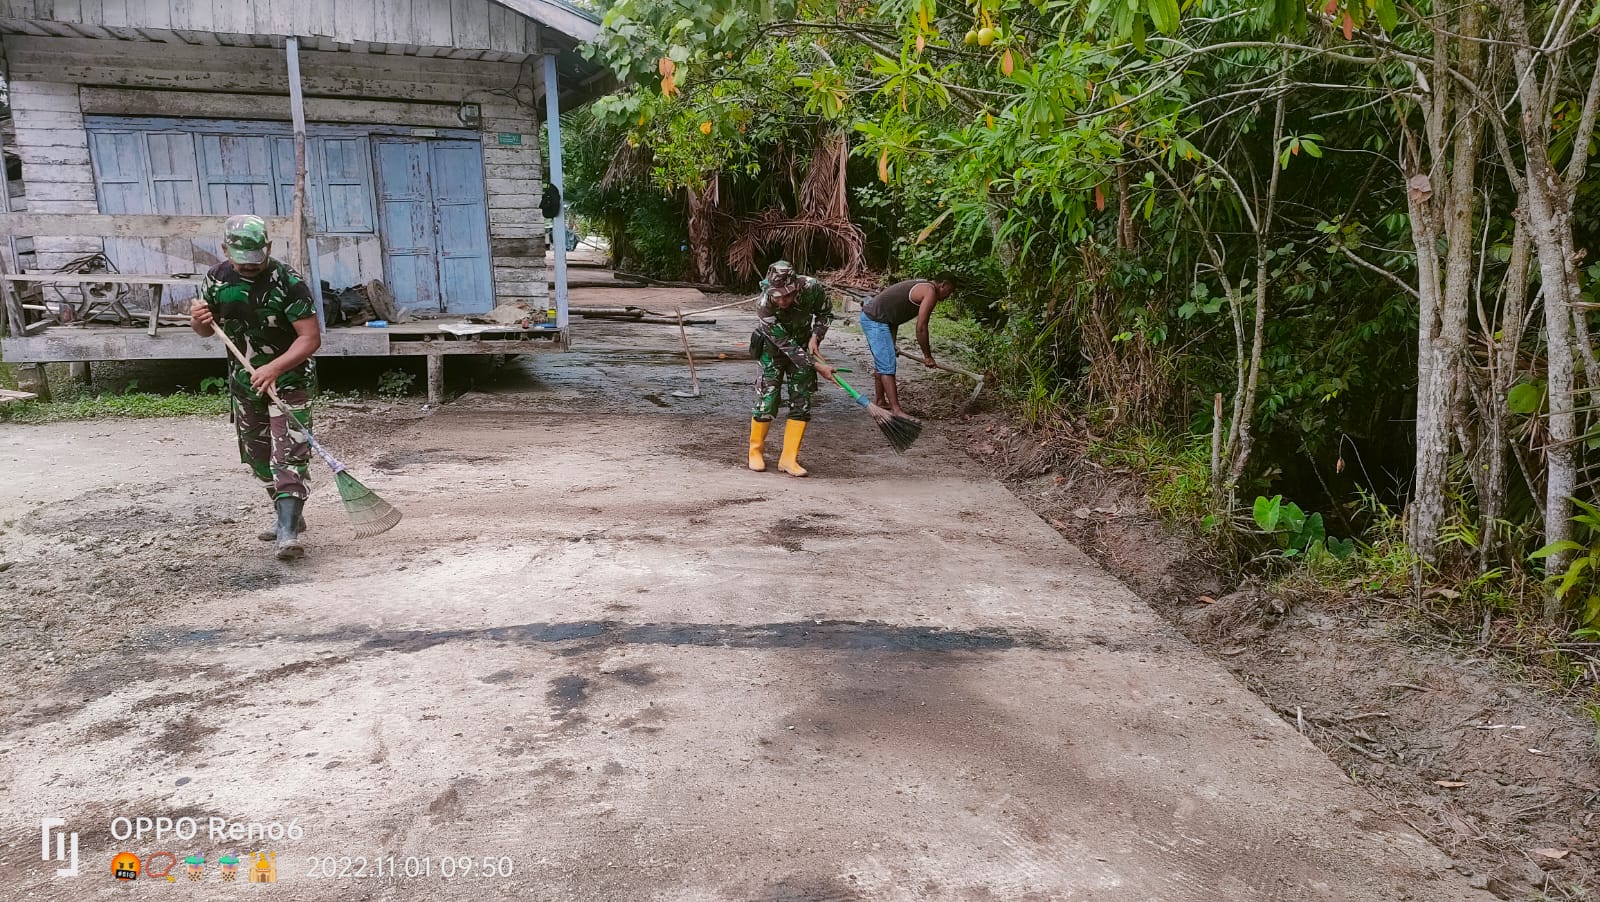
[{"x": 881, "y": 317}]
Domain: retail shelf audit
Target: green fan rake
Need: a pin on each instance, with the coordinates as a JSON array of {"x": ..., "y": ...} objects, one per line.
[
  {"x": 369, "y": 514},
  {"x": 900, "y": 431}
]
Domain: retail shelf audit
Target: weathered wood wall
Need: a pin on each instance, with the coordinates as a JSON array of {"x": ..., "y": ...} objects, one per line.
[
  {"x": 55, "y": 162},
  {"x": 466, "y": 25},
  {"x": 55, "y": 81}
]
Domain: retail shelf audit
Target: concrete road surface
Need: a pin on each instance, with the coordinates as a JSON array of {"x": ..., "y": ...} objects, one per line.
[{"x": 601, "y": 660}]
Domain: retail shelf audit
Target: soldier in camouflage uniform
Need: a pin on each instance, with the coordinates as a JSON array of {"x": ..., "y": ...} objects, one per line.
[
  {"x": 791, "y": 320},
  {"x": 265, "y": 308}
]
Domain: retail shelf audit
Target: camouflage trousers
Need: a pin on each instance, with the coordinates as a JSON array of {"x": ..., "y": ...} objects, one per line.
[
  {"x": 776, "y": 368},
  {"x": 272, "y": 439}
]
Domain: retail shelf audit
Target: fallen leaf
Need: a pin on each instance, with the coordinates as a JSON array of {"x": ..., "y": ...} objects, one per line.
[
  {"x": 1206, "y": 599},
  {"x": 1553, "y": 854},
  {"x": 1449, "y": 784}
]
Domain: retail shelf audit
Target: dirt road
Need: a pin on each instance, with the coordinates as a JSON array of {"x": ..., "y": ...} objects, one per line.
[{"x": 604, "y": 661}]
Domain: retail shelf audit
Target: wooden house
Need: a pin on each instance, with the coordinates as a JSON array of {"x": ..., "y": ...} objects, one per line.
[{"x": 395, "y": 140}]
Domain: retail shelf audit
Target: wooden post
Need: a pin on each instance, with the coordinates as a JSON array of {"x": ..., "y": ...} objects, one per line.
[
  {"x": 14, "y": 317},
  {"x": 435, "y": 377},
  {"x": 33, "y": 378},
  {"x": 684, "y": 334},
  {"x": 80, "y": 372},
  {"x": 304, "y": 264},
  {"x": 155, "y": 308},
  {"x": 1216, "y": 446},
  {"x": 558, "y": 228}
]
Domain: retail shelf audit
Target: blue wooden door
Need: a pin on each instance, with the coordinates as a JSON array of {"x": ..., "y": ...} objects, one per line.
[
  {"x": 405, "y": 213},
  {"x": 435, "y": 229},
  {"x": 465, "y": 285}
]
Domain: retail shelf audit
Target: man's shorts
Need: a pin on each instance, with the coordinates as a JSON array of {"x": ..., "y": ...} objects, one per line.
[{"x": 880, "y": 338}]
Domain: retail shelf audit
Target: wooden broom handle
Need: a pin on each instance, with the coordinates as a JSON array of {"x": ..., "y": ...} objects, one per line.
[{"x": 216, "y": 328}]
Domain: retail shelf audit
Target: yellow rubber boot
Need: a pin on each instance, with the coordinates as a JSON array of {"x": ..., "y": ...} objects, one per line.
[
  {"x": 793, "y": 431},
  {"x": 758, "y": 444}
]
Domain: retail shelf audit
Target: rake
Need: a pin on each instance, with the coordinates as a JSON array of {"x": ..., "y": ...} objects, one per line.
[
  {"x": 369, "y": 514},
  {"x": 900, "y": 431},
  {"x": 976, "y": 390}
]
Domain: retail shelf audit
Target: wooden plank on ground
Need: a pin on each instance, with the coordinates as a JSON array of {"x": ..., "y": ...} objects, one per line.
[
  {"x": 7, "y": 396},
  {"x": 659, "y": 299}
]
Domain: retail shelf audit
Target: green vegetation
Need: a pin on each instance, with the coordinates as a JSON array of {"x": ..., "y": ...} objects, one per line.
[
  {"x": 1338, "y": 239},
  {"x": 395, "y": 384},
  {"x": 72, "y": 405}
]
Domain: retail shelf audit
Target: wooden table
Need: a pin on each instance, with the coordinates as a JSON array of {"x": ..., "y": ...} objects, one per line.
[{"x": 156, "y": 282}]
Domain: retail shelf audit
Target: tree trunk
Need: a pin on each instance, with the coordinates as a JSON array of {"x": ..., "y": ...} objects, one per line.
[
  {"x": 1561, "y": 456},
  {"x": 1548, "y": 210},
  {"x": 1125, "y": 236},
  {"x": 1504, "y": 338},
  {"x": 1242, "y": 438},
  {"x": 1441, "y": 199}
]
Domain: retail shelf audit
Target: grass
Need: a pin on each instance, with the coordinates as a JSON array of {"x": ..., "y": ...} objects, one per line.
[
  {"x": 1175, "y": 470},
  {"x": 135, "y": 405}
]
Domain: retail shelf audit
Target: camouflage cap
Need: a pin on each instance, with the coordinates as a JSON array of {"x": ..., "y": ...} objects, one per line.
[
  {"x": 781, "y": 278},
  {"x": 244, "y": 239}
]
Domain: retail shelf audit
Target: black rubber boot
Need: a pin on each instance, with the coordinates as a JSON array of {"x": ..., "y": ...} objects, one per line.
[
  {"x": 289, "y": 523},
  {"x": 271, "y": 535}
]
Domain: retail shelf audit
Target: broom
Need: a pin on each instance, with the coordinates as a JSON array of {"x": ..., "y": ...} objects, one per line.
[
  {"x": 369, "y": 514},
  {"x": 900, "y": 431}
]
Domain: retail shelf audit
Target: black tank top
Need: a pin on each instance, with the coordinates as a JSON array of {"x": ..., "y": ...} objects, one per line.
[{"x": 894, "y": 305}]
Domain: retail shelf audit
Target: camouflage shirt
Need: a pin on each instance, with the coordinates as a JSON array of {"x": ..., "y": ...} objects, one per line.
[
  {"x": 258, "y": 316},
  {"x": 790, "y": 329}
]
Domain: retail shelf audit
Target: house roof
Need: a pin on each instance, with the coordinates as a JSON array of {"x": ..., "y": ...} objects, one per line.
[
  {"x": 502, "y": 28},
  {"x": 581, "y": 25},
  {"x": 488, "y": 30}
]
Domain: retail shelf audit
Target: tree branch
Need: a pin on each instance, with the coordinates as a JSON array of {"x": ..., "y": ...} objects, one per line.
[{"x": 1365, "y": 264}]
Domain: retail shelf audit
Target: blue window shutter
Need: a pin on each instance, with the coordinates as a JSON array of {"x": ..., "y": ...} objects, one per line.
[
  {"x": 237, "y": 172},
  {"x": 174, "y": 173},
  {"x": 121, "y": 174},
  {"x": 346, "y": 186}
]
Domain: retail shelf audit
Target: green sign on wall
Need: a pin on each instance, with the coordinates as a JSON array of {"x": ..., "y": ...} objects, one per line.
[{"x": 511, "y": 139}]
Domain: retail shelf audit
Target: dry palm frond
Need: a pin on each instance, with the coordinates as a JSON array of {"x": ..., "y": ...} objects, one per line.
[
  {"x": 822, "y": 194},
  {"x": 844, "y": 240},
  {"x": 702, "y": 208},
  {"x": 630, "y": 164}
]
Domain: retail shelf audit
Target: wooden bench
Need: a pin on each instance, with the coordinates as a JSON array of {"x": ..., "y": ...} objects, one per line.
[{"x": 104, "y": 225}]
